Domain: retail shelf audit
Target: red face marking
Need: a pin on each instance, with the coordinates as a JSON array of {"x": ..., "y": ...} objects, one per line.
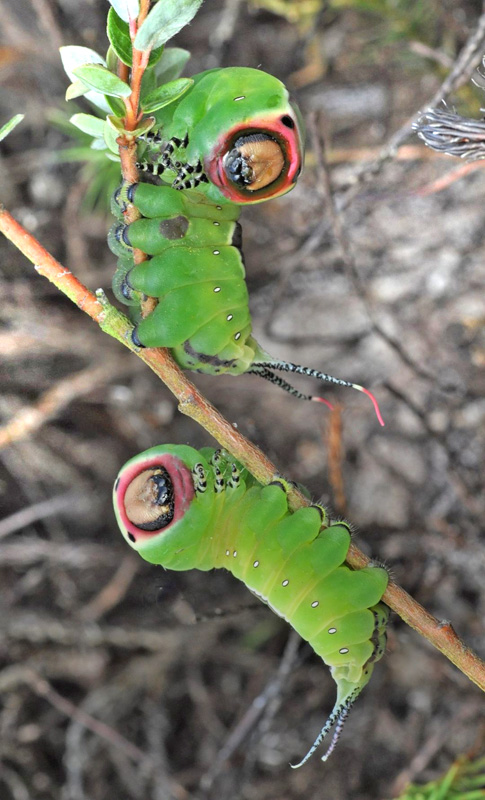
[
  {"x": 284, "y": 130},
  {"x": 183, "y": 491}
]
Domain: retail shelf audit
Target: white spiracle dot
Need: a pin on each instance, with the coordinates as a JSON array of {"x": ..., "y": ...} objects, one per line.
[
  {"x": 235, "y": 553},
  {"x": 256, "y": 564},
  {"x": 343, "y": 650},
  {"x": 216, "y": 252},
  {"x": 241, "y": 97},
  {"x": 315, "y": 604},
  {"x": 219, "y": 208},
  {"x": 332, "y": 630},
  {"x": 216, "y": 223},
  {"x": 237, "y": 335},
  {"x": 229, "y": 317},
  {"x": 285, "y": 582},
  {"x": 217, "y": 289},
  {"x": 227, "y": 553}
]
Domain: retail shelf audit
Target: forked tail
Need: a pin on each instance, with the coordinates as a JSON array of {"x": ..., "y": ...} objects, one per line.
[
  {"x": 337, "y": 718},
  {"x": 265, "y": 370}
]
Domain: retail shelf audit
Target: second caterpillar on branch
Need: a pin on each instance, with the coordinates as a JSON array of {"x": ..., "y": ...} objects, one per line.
[{"x": 233, "y": 139}]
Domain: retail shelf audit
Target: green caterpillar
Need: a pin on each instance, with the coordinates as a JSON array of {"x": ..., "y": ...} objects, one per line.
[
  {"x": 234, "y": 138},
  {"x": 185, "y": 509}
]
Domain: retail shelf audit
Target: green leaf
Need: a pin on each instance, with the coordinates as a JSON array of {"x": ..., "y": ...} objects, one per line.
[
  {"x": 165, "y": 19},
  {"x": 143, "y": 127},
  {"x": 111, "y": 60},
  {"x": 88, "y": 124},
  {"x": 76, "y": 89},
  {"x": 111, "y": 133},
  {"x": 117, "y": 106},
  {"x": 73, "y": 154},
  {"x": 165, "y": 94},
  {"x": 126, "y": 8},
  {"x": 73, "y": 56},
  {"x": 119, "y": 36},
  {"x": 98, "y": 144},
  {"x": 155, "y": 55},
  {"x": 10, "y": 125},
  {"x": 102, "y": 80},
  {"x": 171, "y": 64},
  {"x": 117, "y": 124}
]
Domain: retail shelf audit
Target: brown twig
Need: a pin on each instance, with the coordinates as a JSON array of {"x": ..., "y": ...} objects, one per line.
[
  {"x": 114, "y": 591},
  {"x": 446, "y": 180},
  {"x": 44, "y": 689},
  {"x": 468, "y": 60},
  {"x": 40, "y": 629},
  {"x": 260, "y": 713},
  {"x": 30, "y": 419},
  {"x": 335, "y": 452},
  {"x": 30, "y": 514}
]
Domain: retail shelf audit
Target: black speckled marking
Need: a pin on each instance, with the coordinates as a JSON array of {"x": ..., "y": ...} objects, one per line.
[
  {"x": 174, "y": 228},
  {"x": 205, "y": 359}
]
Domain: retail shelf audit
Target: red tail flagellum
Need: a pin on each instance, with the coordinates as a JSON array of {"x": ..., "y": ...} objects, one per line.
[
  {"x": 265, "y": 369},
  {"x": 374, "y": 402},
  {"x": 322, "y": 400}
]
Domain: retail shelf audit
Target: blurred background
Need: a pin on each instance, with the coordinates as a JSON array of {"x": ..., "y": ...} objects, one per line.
[{"x": 118, "y": 678}]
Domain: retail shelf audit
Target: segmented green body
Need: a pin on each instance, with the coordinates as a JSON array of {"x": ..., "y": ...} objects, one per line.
[
  {"x": 197, "y": 274},
  {"x": 186, "y": 509},
  {"x": 234, "y": 138},
  {"x": 190, "y": 228}
]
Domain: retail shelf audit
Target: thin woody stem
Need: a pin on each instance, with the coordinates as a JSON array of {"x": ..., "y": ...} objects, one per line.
[
  {"x": 193, "y": 404},
  {"x": 140, "y": 62},
  {"x": 127, "y": 144}
]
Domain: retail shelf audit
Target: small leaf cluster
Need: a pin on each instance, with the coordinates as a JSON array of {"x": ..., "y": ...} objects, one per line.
[
  {"x": 97, "y": 78},
  {"x": 465, "y": 780}
]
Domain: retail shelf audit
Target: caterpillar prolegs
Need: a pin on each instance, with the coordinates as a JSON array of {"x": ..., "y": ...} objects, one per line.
[{"x": 188, "y": 509}]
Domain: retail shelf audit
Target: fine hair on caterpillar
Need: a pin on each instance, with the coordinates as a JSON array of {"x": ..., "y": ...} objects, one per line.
[{"x": 188, "y": 509}]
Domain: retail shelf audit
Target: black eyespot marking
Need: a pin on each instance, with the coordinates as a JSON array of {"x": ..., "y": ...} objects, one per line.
[
  {"x": 149, "y": 499},
  {"x": 117, "y": 483},
  {"x": 287, "y": 121},
  {"x": 131, "y": 537}
]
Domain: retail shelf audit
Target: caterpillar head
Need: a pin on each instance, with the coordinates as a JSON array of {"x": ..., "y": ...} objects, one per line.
[
  {"x": 155, "y": 505},
  {"x": 258, "y": 158}
]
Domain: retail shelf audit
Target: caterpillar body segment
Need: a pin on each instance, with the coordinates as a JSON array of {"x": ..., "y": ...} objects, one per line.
[{"x": 185, "y": 509}]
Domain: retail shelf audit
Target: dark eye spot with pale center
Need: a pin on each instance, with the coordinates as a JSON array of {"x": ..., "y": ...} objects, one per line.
[
  {"x": 255, "y": 161},
  {"x": 149, "y": 500}
]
